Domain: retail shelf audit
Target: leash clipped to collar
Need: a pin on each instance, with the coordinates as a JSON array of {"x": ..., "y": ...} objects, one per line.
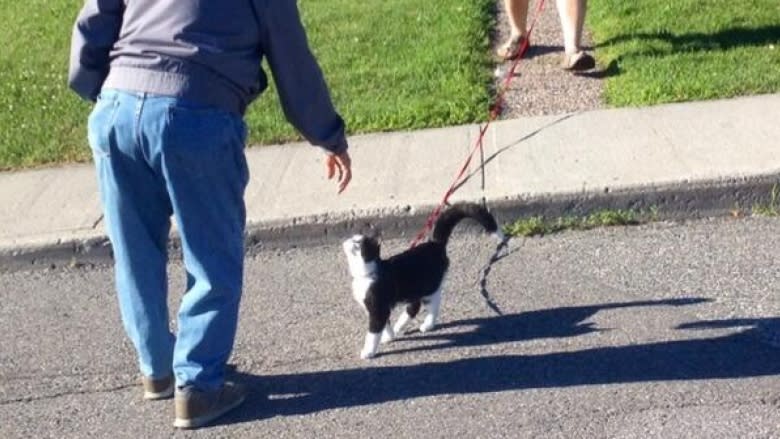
[{"x": 495, "y": 110}]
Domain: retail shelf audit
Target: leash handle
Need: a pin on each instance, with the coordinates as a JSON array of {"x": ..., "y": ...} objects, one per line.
[{"x": 495, "y": 109}]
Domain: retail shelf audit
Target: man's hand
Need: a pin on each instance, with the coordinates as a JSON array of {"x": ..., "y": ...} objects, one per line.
[{"x": 343, "y": 164}]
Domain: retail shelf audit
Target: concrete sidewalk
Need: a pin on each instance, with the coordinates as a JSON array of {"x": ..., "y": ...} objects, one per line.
[{"x": 682, "y": 158}]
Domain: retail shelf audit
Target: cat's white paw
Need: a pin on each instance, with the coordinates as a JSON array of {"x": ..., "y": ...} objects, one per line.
[
  {"x": 387, "y": 338},
  {"x": 370, "y": 346},
  {"x": 398, "y": 328},
  {"x": 427, "y": 326}
]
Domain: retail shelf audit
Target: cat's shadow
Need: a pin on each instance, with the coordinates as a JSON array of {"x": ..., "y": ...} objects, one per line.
[{"x": 524, "y": 326}]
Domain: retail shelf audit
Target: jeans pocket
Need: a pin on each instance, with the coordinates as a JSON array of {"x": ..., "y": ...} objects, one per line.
[
  {"x": 99, "y": 125},
  {"x": 204, "y": 141}
]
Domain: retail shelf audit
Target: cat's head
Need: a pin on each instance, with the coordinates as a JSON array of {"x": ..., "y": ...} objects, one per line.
[{"x": 362, "y": 254}]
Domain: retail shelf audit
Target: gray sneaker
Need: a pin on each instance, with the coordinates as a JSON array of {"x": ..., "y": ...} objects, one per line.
[
  {"x": 195, "y": 408},
  {"x": 161, "y": 388}
]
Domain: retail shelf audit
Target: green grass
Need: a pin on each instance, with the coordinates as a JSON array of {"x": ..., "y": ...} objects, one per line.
[
  {"x": 395, "y": 65},
  {"x": 770, "y": 208},
  {"x": 408, "y": 64},
  {"x": 40, "y": 121},
  {"x": 540, "y": 226},
  {"x": 661, "y": 51},
  {"x": 391, "y": 65}
]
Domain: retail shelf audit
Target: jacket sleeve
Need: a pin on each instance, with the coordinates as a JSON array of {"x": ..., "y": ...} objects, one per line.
[
  {"x": 301, "y": 86},
  {"x": 94, "y": 34}
]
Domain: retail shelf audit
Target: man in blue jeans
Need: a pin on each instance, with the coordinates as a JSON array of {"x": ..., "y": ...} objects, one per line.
[{"x": 172, "y": 80}]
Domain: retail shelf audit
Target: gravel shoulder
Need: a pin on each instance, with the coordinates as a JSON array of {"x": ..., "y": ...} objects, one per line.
[{"x": 541, "y": 87}]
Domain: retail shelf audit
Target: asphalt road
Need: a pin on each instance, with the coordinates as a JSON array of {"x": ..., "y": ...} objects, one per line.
[{"x": 636, "y": 332}]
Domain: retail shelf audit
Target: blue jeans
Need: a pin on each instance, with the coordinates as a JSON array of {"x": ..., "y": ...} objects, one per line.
[{"x": 158, "y": 157}]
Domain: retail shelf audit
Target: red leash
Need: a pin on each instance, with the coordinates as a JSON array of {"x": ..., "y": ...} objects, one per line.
[{"x": 494, "y": 111}]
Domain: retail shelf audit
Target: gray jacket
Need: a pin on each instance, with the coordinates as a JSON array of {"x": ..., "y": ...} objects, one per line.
[{"x": 206, "y": 51}]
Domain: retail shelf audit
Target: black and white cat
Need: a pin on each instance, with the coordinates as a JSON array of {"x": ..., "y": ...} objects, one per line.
[{"x": 413, "y": 277}]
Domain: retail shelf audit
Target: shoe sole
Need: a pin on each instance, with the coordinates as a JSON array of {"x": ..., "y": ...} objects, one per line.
[
  {"x": 156, "y": 396},
  {"x": 205, "y": 419}
]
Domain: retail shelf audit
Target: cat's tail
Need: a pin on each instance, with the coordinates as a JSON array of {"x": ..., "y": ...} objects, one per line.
[{"x": 452, "y": 216}]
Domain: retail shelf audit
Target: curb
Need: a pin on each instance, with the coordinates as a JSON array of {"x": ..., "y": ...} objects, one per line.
[
  {"x": 679, "y": 201},
  {"x": 672, "y": 201}
]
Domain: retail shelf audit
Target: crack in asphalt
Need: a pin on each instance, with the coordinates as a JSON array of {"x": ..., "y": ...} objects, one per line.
[{"x": 29, "y": 399}]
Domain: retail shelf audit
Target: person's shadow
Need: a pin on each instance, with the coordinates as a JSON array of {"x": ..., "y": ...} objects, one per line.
[
  {"x": 736, "y": 355},
  {"x": 535, "y": 50}
]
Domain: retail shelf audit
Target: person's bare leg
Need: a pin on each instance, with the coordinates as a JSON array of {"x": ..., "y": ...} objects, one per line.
[
  {"x": 572, "y": 15},
  {"x": 582, "y": 9},
  {"x": 517, "y": 11}
]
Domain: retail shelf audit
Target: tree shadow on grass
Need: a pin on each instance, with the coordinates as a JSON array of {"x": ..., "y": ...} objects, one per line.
[
  {"x": 697, "y": 42},
  {"x": 672, "y": 44},
  {"x": 735, "y": 355}
]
